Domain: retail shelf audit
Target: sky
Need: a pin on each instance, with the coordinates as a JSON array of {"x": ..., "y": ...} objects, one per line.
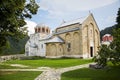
[{"x": 53, "y": 12}]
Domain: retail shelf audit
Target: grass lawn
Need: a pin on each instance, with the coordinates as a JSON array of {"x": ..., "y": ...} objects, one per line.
[
  {"x": 7, "y": 66},
  {"x": 54, "y": 63},
  {"x": 18, "y": 75},
  {"x": 92, "y": 74}
]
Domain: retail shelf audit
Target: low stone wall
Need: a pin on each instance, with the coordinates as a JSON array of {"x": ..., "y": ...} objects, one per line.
[{"x": 10, "y": 57}]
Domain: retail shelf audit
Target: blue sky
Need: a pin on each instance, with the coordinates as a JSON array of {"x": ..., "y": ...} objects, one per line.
[{"x": 53, "y": 12}]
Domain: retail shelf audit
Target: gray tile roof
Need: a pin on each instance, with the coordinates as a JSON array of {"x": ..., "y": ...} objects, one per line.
[{"x": 55, "y": 39}]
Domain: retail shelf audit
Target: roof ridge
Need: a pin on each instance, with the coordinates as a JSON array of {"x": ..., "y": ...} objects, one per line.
[
  {"x": 78, "y": 20},
  {"x": 75, "y": 19}
]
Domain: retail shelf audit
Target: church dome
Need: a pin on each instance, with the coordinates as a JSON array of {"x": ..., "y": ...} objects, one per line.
[
  {"x": 42, "y": 28},
  {"x": 41, "y": 25}
]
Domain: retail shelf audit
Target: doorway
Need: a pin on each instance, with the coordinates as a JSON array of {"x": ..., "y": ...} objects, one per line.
[{"x": 91, "y": 51}]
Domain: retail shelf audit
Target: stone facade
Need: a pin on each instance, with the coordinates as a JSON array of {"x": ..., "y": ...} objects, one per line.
[{"x": 81, "y": 38}]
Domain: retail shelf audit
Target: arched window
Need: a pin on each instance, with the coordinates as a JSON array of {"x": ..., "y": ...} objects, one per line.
[
  {"x": 38, "y": 29},
  {"x": 47, "y": 30},
  {"x": 35, "y": 29},
  {"x": 43, "y": 30},
  {"x": 68, "y": 46}
]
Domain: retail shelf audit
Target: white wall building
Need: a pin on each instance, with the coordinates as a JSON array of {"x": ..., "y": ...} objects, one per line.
[{"x": 35, "y": 46}]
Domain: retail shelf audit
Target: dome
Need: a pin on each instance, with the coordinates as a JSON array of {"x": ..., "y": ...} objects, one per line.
[
  {"x": 42, "y": 28},
  {"x": 41, "y": 25}
]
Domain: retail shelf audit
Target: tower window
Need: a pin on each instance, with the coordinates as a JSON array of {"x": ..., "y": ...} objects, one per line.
[
  {"x": 43, "y": 30},
  {"x": 47, "y": 30},
  {"x": 35, "y": 30},
  {"x": 39, "y": 30},
  {"x": 41, "y": 45}
]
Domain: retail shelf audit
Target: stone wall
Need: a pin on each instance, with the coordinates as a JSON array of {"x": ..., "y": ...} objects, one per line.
[{"x": 10, "y": 57}]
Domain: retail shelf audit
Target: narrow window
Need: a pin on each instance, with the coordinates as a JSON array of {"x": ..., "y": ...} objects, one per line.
[
  {"x": 91, "y": 33},
  {"x": 68, "y": 46},
  {"x": 41, "y": 45}
]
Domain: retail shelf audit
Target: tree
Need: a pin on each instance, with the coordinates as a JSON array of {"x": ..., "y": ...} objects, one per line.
[
  {"x": 118, "y": 19},
  {"x": 12, "y": 15},
  {"x": 103, "y": 55},
  {"x": 111, "y": 52},
  {"x": 115, "y": 45}
]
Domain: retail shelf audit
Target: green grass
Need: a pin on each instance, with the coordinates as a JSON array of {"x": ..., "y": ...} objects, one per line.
[
  {"x": 18, "y": 75},
  {"x": 92, "y": 74},
  {"x": 2, "y": 66},
  {"x": 54, "y": 63}
]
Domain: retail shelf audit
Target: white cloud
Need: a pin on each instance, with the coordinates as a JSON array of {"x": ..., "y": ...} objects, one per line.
[
  {"x": 63, "y": 7},
  {"x": 30, "y": 25}
]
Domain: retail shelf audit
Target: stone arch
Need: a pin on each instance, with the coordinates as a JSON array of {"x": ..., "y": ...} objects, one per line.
[
  {"x": 67, "y": 37},
  {"x": 91, "y": 39},
  {"x": 91, "y": 32},
  {"x": 76, "y": 47},
  {"x": 68, "y": 43},
  {"x": 52, "y": 50},
  {"x": 60, "y": 50}
]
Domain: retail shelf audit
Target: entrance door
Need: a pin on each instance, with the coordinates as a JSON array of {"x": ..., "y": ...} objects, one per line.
[{"x": 91, "y": 51}]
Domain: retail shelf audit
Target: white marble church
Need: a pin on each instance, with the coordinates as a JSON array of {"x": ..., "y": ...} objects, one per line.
[{"x": 35, "y": 46}]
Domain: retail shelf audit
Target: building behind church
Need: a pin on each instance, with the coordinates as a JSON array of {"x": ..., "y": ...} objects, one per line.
[
  {"x": 79, "y": 38},
  {"x": 107, "y": 39}
]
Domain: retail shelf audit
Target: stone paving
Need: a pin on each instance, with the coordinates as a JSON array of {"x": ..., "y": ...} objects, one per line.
[
  {"x": 55, "y": 74},
  {"x": 50, "y": 73}
]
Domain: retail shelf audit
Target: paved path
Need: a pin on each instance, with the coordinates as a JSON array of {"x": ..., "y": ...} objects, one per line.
[
  {"x": 55, "y": 74},
  {"x": 50, "y": 73}
]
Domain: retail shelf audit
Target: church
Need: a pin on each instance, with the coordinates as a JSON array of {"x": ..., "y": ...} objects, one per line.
[{"x": 78, "y": 38}]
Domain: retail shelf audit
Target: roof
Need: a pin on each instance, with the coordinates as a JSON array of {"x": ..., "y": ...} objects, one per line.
[
  {"x": 46, "y": 37},
  {"x": 107, "y": 35},
  {"x": 41, "y": 25},
  {"x": 55, "y": 39},
  {"x": 79, "y": 20}
]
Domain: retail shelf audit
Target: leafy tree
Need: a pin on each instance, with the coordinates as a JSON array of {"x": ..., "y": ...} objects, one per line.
[
  {"x": 115, "y": 45},
  {"x": 103, "y": 55},
  {"x": 12, "y": 15},
  {"x": 111, "y": 52}
]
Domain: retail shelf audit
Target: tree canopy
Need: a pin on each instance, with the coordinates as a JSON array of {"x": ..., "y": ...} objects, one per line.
[
  {"x": 12, "y": 16},
  {"x": 111, "y": 52}
]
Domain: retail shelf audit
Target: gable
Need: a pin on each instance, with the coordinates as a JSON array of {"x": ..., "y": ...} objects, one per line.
[{"x": 90, "y": 20}]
